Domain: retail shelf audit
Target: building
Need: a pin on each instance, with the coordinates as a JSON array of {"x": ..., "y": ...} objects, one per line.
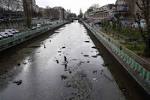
[
  {"x": 35, "y": 7},
  {"x": 122, "y": 8},
  {"x": 102, "y": 13},
  {"x": 61, "y": 12},
  {"x": 128, "y": 7}
]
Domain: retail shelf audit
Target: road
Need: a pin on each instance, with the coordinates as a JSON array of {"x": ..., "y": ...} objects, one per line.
[{"x": 62, "y": 66}]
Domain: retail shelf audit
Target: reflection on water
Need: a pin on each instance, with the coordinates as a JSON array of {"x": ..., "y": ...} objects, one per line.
[{"x": 62, "y": 66}]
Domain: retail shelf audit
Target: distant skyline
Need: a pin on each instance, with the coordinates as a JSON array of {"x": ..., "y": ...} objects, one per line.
[{"x": 73, "y": 5}]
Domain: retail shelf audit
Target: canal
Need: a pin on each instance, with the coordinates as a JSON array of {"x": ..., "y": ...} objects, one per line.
[{"x": 65, "y": 64}]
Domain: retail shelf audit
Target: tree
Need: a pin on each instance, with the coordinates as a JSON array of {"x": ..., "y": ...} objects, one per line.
[
  {"x": 144, "y": 6},
  {"x": 27, "y": 6},
  {"x": 80, "y": 14}
]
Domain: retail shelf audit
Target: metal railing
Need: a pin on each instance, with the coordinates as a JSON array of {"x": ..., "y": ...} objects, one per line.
[
  {"x": 137, "y": 67},
  {"x": 29, "y": 33}
]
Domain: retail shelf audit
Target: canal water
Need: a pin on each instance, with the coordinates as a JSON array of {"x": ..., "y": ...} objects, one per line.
[{"x": 62, "y": 65}]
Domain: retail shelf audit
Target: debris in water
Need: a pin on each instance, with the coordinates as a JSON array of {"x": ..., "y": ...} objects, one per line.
[
  {"x": 95, "y": 71},
  {"x": 24, "y": 63},
  {"x": 94, "y": 47},
  {"x": 65, "y": 58},
  {"x": 19, "y": 82},
  {"x": 18, "y": 64},
  {"x": 87, "y": 41},
  {"x": 70, "y": 72},
  {"x": 59, "y": 51},
  {"x": 94, "y": 56},
  {"x": 44, "y": 46},
  {"x": 57, "y": 61},
  {"x": 94, "y": 79},
  {"x": 63, "y": 77},
  {"x": 63, "y": 47},
  {"x": 86, "y": 55},
  {"x": 66, "y": 67},
  {"x": 88, "y": 61}
]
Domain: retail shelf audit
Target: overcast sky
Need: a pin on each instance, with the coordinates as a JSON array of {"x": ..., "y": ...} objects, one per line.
[{"x": 73, "y": 5}]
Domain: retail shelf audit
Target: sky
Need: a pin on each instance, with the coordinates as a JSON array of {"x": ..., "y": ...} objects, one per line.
[{"x": 73, "y": 5}]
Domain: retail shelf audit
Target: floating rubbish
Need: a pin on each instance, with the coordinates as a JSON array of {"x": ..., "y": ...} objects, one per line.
[
  {"x": 63, "y": 47},
  {"x": 24, "y": 63},
  {"x": 94, "y": 79},
  {"x": 19, "y": 82},
  {"x": 87, "y": 41},
  {"x": 18, "y": 64},
  {"x": 94, "y": 47},
  {"x": 88, "y": 61},
  {"x": 44, "y": 46},
  {"x": 63, "y": 77},
  {"x": 95, "y": 71},
  {"x": 65, "y": 58},
  {"x": 86, "y": 55},
  {"x": 70, "y": 72},
  {"x": 66, "y": 67},
  {"x": 94, "y": 56},
  {"x": 124, "y": 90},
  {"x": 59, "y": 51},
  {"x": 57, "y": 61}
]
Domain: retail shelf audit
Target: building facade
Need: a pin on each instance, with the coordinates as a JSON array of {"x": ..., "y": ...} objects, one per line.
[{"x": 102, "y": 13}]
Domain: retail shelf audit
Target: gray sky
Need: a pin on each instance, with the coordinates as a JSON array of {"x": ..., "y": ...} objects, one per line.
[{"x": 73, "y": 5}]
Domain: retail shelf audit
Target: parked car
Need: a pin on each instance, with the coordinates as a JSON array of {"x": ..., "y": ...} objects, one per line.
[
  {"x": 4, "y": 34},
  {"x": 38, "y": 25},
  {"x": 33, "y": 28},
  {"x": 9, "y": 34},
  {"x": 12, "y": 31}
]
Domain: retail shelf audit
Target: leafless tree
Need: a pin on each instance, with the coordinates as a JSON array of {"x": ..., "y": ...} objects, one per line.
[
  {"x": 144, "y": 6},
  {"x": 27, "y": 6}
]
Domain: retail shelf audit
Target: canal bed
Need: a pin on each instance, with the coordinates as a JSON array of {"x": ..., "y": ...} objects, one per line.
[{"x": 62, "y": 66}]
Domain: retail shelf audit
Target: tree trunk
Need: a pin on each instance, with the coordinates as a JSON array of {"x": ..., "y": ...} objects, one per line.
[{"x": 27, "y": 6}]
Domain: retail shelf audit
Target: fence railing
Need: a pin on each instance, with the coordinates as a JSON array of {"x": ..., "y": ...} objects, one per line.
[
  {"x": 22, "y": 35},
  {"x": 137, "y": 67}
]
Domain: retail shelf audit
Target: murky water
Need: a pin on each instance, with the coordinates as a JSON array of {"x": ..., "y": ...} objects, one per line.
[{"x": 62, "y": 66}]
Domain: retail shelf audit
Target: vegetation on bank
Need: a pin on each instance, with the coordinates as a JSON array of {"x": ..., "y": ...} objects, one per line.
[{"x": 129, "y": 37}]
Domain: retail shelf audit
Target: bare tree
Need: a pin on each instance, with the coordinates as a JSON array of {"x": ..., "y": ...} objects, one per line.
[
  {"x": 144, "y": 6},
  {"x": 27, "y": 6}
]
